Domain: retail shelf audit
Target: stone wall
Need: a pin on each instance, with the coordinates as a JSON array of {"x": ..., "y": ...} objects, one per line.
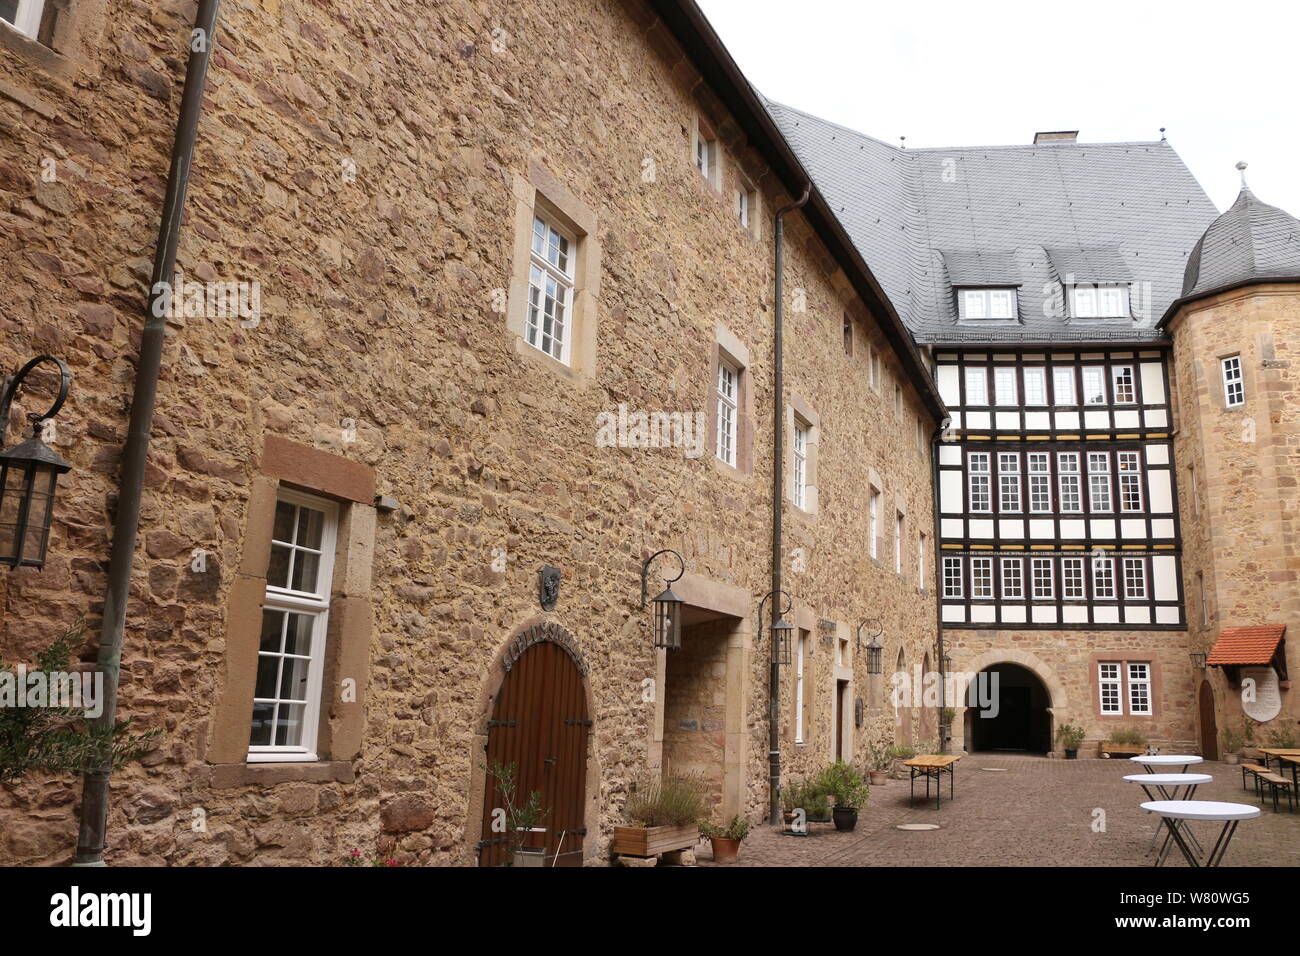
[
  {"x": 1241, "y": 529},
  {"x": 360, "y": 162}
]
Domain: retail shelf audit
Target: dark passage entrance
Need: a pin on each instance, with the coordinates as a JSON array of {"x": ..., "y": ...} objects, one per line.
[{"x": 1022, "y": 721}]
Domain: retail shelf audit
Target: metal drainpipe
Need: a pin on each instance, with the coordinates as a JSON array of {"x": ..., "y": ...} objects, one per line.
[
  {"x": 94, "y": 793},
  {"x": 778, "y": 457},
  {"x": 938, "y": 571}
]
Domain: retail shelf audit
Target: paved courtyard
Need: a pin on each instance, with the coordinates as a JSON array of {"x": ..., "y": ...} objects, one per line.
[{"x": 1028, "y": 811}]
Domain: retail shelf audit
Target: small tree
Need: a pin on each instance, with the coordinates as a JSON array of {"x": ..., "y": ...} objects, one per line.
[
  {"x": 61, "y": 739},
  {"x": 519, "y": 817}
]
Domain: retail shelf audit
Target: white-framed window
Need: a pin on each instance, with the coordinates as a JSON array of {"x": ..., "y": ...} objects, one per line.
[
  {"x": 24, "y": 15},
  {"x": 798, "y": 687},
  {"x": 873, "y": 366},
  {"x": 1139, "y": 688},
  {"x": 1013, "y": 579},
  {"x": 1035, "y": 386},
  {"x": 1094, "y": 385},
  {"x": 952, "y": 587},
  {"x": 1008, "y": 481},
  {"x": 1063, "y": 385},
  {"x": 706, "y": 155},
  {"x": 742, "y": 207},
  {"x": 728, "y": 396},
  {"x": 1123, "y": 386},
  {"x": 898, "y": 542},
  {"x": 1068, "y": 480},
  {"x": 1234, "y": 384},
  {"x": 1103, "y": 579},
  {"x": 1135, "y": 579},
  {"x": 800, "y": 465},
  {"x": 979, "y": 477},
  {"x": 977, "y": 385},
  {"x": 1040, "y": 481},
  {"x": 873, "y": 523},
  {"x": 295, "y": 620},
  {"x": 920, "y": 561},
  {"x": 1004, "y": 385},
  {"x": 1104, "y": 301},
  {"x": 1043, "y": 582},
  {"x": 1099, "y": 481},
  {"x": 1072, "y": 587},
  {"x": 1108, "y": 680},
  {"x": 550, "y": 290},
  {"x": 988, "y": 303},
  {"x": 981, "y": 577},
  {"x": 1130, "y": 480}
]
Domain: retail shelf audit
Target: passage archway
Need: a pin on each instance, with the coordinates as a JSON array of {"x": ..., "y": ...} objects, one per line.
[{"x": 1021, "y": 719}]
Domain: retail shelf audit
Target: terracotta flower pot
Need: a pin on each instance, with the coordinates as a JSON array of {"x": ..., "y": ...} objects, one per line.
[
  {"x": 724, "y": 849},
  {"x": 1232, "y": 758},
  {"x": 878, "y": 777}
]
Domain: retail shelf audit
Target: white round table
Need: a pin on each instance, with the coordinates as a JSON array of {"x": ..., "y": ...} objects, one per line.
[
  {"x": 1154, "y": 763},
  {"x": 1229, "y": 814},
  {"x": 1167, "y": 786}
]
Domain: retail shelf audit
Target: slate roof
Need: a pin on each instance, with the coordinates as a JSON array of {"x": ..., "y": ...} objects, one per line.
[
  {"x": 1246, "y": 645},
  {"x": 1251, "y": 242},
  {"x": 928, "y": 219}
]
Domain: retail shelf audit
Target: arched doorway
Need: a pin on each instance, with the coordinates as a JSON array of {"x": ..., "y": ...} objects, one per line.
[
  {"x": 539, "y": 726},
  {"x": 1209, "y": 727},
  {"x": 1022, "y": 720},
  {"x": 903, "y": 706}
]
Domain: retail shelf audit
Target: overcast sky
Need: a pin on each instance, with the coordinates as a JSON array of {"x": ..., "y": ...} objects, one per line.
[{"x": 1221, "y": 77}]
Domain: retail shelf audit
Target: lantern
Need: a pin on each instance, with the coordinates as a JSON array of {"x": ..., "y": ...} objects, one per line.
[
  {"x": 875, "y": 657},
  {"x": 780, "y": 630},
  {"x": 29, "y": 475},
  {"x": 667, "y": 605}
]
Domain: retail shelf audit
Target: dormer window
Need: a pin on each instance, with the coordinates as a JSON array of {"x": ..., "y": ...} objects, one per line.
[
  {"x": 980, "y": 304},
  {"x": 1108, "y": 301}
]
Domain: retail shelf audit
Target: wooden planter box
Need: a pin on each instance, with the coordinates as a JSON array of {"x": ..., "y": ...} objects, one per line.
[
  {"x": 1121, "y": 750},
  {"x": 651, "y": 841}
]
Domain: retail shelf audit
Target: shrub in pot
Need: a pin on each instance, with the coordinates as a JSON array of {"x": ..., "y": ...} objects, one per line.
[
  {"x": 1232, "y": 741},
  {"x": 1070, "y": 737},
  {"x": 898, "y": 753},
  {"x": 848, "y": 791},
  {"x": 793, "y": 800},
  {"x": 725, "y": 840},
  {"x": 521, "y": 817},
  {"x": 661, "y": 815},
  {"x": 880, "y": 760}
]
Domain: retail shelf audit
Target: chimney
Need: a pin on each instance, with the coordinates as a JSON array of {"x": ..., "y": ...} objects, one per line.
[{"x": 1058, "y": 136}]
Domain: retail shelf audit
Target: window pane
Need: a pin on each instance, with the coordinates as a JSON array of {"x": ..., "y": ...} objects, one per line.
[
  {"x": 1063, "y": 381},
  {"x": 268, "y": 671},
  {"x": 1035, "y": 387},
  {"x": 297, "y": 638},
  {"x": 272, "y": 629},
  {"x": 310, "y": 524},
  {"x": 306, "y": 566},
  {"x": 289, "y": 725},
  {"x": 277, "y": 572},
  {"x": 293, "y": 679},
  {"x": 282, "y": 530},
  {"x": 263, "y": 714}
]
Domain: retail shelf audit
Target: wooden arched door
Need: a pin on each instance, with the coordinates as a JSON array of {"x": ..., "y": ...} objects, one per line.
[
  {"x": 1209, "y": 727},
  {"x": 539, "y": 726}
]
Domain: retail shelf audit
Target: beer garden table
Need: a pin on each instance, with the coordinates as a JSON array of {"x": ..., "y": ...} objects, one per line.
[{"x": 933, "y": 767}]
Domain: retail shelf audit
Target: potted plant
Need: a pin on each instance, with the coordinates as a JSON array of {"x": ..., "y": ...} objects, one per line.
[
  {"x": 1281, "y": 738},
  {"x": 849, "y": 791},
  {"x": 1249, "y": 750},
  {"x": 1124, "y": 742},
  {"x": 879, "y": 761},
  {"x": 521, "y": 818},
  {"x": 1070, "y": 737},
  {"x": 898, "y": 753},
  {"x": 725, "y": 840},
  {"x": 817, "y": 803},
  {"x": 1232, "y": 741},
  {"x": 661, "y": 814}
]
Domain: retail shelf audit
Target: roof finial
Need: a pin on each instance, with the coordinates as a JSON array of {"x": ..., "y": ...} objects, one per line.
[
  {"x": 1241, "y": 168},
  {"x": 902, "y": 142},
  {"x": 1162, "y": 134}
]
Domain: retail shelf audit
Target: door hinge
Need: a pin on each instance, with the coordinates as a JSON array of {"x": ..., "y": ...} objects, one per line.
[
  {"x": 577, "y": 723},
  {"x": 501, "y": 723}
]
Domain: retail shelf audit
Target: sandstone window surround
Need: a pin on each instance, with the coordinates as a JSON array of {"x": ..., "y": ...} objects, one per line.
[
  {"x": 706, "y": 154},
  {"x": 560, "y": 256},
  {"x": 1234, "y": 381},
  {"x": 874, "y": 498},
  {"x": 873, "y": 367},
  {"x": 60, "y": 37},
  {"x": 803, "y": 426},
  {"x": 749, "y": 206},
  {"x": 900, "y": 536},
  {"x": 1125, "y": 686},
  {"x": 729, "y": 368},
  {"x": 298, "y": 473}
]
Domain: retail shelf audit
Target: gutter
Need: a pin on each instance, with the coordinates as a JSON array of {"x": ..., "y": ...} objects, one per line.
[
  {"x": 935, "y": 442},
  {"x": 778, "y": 491},
  {"x": 94, "y": 793},
  {"x": 687, "y": 23}
]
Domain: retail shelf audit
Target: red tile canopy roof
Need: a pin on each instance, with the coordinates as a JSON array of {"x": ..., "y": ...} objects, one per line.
[{"x": 1246, "y": 645}]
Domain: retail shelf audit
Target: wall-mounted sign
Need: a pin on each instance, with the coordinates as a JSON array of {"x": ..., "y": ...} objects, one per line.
[{"x": 1261, "y": 698}]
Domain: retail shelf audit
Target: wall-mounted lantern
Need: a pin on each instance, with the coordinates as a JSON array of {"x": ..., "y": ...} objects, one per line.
[
  {"x": 780, "y": 631},
  {"x": 667, "y": 605},
  {"x": 875, "y": 652},
  {"x": 1198, "y": 660},
  {"x": 29, "y": 473}
]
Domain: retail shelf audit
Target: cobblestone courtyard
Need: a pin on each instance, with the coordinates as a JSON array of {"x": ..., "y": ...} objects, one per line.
[{"x": 1028, "y": 811}]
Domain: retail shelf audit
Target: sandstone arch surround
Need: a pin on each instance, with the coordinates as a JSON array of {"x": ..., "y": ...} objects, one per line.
[
  {"x": 1031, "y": 662},
  {"x": 542, "y": 627}
]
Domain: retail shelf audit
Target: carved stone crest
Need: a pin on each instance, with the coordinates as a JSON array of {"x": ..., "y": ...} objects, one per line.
[{"x": 548, "y": 587}]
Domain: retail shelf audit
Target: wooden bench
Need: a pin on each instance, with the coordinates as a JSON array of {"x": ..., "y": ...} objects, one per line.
[
  {"x": 1276, "y": 782},
  {"x": 1254, "y": 770}
]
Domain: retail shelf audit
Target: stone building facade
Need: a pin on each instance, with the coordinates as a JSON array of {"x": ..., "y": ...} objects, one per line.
[{"x": 369, "y": 180}]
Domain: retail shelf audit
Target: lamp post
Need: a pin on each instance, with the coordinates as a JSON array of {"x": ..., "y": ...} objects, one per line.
[
  {"x": 668, "y": 606},
  {"x": 29, "y": 474}
]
